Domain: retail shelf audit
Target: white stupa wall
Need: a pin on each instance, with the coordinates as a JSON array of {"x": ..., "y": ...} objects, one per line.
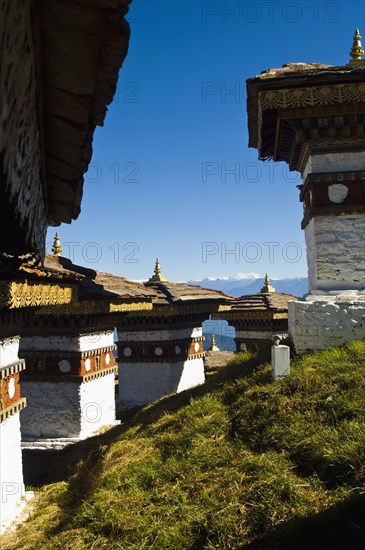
[
  {"x": 67, "y": 409},
  {"x": 333, "y": 313},
  {"x": 320, "y": 323},
  {"x": 336, "y": 252},
  {"x": 336, "y": 244},
  {"x": 56, "y": 342},
  {"x": 142, "y": 383},
  {"x": 147, "y": 381},
  {"x": 53, "y": 410},
  {"x": 334, "y": 162},
  {"x": 11, "y": 470},
  {"x": 11, "y": 467},
  {"x": 97, "y": 404}
]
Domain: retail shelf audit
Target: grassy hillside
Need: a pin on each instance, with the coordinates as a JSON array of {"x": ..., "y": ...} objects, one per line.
[{"x": 241, "y": 462}]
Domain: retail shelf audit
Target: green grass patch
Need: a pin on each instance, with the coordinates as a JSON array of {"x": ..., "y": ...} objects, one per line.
[{"x": 242, "y": 462}]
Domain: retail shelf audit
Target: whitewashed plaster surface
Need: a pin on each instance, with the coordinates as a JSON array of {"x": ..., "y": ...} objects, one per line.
[
  {"x": 67, "y": 410},
  {"x": 142, "y": 383},
  {"x": 11, "y": 470},
  {"x": 317, "y": 324},
  {"x": 336, "y": 252},
  {"x": 9, "y": 348},
  {"x": 56, "y": 342},
  {"x": 97, "y": 402},
  {"x": 334, "y": 162}
]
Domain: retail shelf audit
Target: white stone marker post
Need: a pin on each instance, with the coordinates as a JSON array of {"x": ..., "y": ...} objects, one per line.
[{"x": 280, "y": 361}]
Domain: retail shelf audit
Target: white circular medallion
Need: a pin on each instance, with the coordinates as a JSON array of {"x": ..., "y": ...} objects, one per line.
[
  {"x": 127, "y": 352},
  {"x": 11, "y": 388},
  {"x": 158, "y": 351},
  {"x": 64, "y": 366},
  {"x": 337, "y": 192},
  {"x": 107, "y": 358},
  {"x": 243, "y": 347},
  {"x": 177, "y": 350},
  {"x": 87, "y": 364},
  {"x": 197, "y": 347}
]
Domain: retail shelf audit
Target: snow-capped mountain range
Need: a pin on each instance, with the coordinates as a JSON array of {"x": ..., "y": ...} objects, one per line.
[{"x": 251, "y": 283}]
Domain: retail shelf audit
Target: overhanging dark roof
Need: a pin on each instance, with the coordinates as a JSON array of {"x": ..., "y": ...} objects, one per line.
[
  {"x": 292, "y": 75},
  {"x": 182, "y": 293},
  {"x": 268, "y": 301},
  {"x": 84, "y": 43},
  {"x": 59, "y": 63}
]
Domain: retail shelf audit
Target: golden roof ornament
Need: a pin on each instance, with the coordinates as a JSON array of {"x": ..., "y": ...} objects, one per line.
[
  {"x": 157, "y": 277},
  {"x": 213, "y": 345},
  {"x": 267, "y": 286},
  {"x": 56, "y": 249},
  {"x": 357, "y": 51}
]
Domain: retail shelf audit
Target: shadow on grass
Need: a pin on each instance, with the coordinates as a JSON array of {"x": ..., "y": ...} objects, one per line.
[
  {"x": 81, "y": 464},
  {"x": 81, "y": 460},
  {"x": 340, "y": 527}
]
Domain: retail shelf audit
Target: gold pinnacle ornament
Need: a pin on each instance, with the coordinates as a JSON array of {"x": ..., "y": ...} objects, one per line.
[
  {"x": 357, "y": 50},
  {"x": 157, "y": 277},
  {"x": 267, "y": 286},
  {"x": 213, "y": 345},
  {"x": 57, "y": 250}
]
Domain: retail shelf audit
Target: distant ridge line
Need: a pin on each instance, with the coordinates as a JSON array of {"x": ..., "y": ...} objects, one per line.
[{"x": 298, "y": 286}]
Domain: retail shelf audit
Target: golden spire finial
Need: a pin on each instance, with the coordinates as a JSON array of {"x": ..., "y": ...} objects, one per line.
[
  {"x": 157, "y": 277},
  {"x": 57, "y": 250},
  {"x": 267, "y": 286},
  {"x": 213, "y": 345},
  {"x": 157, "y": 268},
  {"x": 357, "y": 50}
]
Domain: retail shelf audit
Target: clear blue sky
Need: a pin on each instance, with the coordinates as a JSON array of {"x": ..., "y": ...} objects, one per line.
[{"x": 159, "y": 183}]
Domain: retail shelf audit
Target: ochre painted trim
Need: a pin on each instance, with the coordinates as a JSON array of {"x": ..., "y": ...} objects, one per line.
[
  {"x": 67, "y": 354},
  {"x": 10, "y": 370},
  {"x": 12, "y": 409},
  {"x": 69, "y": 379}
]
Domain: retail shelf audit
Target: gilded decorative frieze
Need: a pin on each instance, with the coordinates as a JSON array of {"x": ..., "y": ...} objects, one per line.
[
  {"x": 15, "y": 295},
  {"x": 312, "y": 96},
  {"x": 141, "y": 306},
  {"x": 224, "y": 308},
  {"x": 90, "y": 307},
  {"x": 180, "y": 309},
  {"x": 309, "y": 97}
]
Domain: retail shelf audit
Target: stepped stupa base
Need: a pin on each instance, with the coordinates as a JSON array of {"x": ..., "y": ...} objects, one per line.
[{"x": 327, "y": 319}]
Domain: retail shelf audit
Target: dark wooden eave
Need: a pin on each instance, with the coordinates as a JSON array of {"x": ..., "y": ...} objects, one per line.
[
  {"x": 292, "y": 75},
  {"x": 59, "y": 63},
  {"x": 84, "y": 43},
  {"x": 184, "y": 294}
]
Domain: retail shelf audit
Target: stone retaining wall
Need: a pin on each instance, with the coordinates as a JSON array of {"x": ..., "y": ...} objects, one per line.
[{"x": 325, "y": 323}]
